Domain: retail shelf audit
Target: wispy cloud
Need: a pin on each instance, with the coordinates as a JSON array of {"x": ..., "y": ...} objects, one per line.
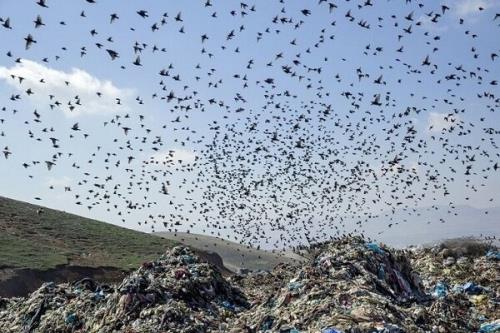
[
  {"x": 77, "y": 87},
  {"x": 440, "y": 121},
  {"x": 427, "y": 24},
  {"x": 59, "y": 181},
  {"x": 463, "y": 8},
  {"x": 174, "y": 156}
]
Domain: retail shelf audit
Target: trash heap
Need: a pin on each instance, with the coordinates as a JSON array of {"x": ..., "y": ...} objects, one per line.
[
  {"x": 464, "y": 282},
  {"x": 350, "y": 286},
  {"x": 357, "y": 286},
  {"x": 176, "y": 293}
]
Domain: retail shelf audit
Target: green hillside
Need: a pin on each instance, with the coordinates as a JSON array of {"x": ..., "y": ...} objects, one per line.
[{"x": 30, "y": 239}]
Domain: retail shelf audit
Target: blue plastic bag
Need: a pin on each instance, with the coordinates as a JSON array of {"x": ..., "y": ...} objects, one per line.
[
  {"x": 71, "y": 319},
  {"x": 375, "y": 248},
  {"x": 472, "y": 289},
  {"x": 441, "y": 290},
  {"x": 229, "y": 306},
  {"x": 330, "y": 330},
  {"x": 491, "y": 327},
  {"x": 493, "y": 255}
]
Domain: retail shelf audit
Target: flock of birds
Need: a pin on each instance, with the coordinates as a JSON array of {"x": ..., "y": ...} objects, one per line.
[{"x": 293, "y": 146}]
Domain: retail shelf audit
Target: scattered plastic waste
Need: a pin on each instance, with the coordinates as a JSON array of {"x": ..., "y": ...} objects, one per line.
[
  {"x": 492, "y": 254},
  {"x": 441, "y": 290},
  {"x": 330, "y": 330},
  {"x": 490, "y": 327},
  {"x": 348, "y": 286},
  {"x": 375, "y": 248},
  {"x": 176, "y": 293},
  {"x": 472, "y": 289}
]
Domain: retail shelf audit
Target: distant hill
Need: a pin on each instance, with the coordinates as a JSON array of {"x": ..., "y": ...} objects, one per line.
[
  {"x": 38, "y": 244},
  {"x": 426, "y": 225},
  {"x": 234, "y": 255}
]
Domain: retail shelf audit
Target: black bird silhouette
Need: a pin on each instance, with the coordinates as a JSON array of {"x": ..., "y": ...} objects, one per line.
[
  {"x": 113, "y": 54},
  {"x": 113, "y": 17},
  {"x": 42, "y": 3},
  {"x": 29, "y": 40},
  {"x": 137, "y": 61},
  {"x": 6, "y": 23},
  {"x": 143, "y": 13},
  {"x": 38, "y": 22}
]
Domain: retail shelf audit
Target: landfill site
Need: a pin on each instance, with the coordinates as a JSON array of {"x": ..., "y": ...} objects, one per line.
[
  {"x": 348, "y": 285},
  {"x": 251, "y": 166}
]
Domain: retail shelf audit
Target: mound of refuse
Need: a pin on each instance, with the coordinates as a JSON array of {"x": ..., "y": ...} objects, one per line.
[
  {"x": 177, "y": 293},
  {"x": 350, "y": 285},
  {"x": 357, "y": 286}
]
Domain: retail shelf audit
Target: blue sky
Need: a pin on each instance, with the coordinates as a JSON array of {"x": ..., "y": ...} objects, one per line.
[{"x": 340, "y": 54}]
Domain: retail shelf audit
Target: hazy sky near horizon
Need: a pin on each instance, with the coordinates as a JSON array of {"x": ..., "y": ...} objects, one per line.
[{"x": 66, "y": 50}]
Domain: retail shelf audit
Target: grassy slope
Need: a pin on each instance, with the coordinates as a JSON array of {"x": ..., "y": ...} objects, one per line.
[
  {"x": 234, "y": 255},
  {"x": 31, "y": 240}
]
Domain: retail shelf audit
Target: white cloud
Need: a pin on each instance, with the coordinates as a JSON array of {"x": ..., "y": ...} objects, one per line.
[
  {"x": 439, "y": 121},
  {"x": 414, "y": 167},
  {"x": 173, "y": 156},
  {"x": 81, "y": 84},
  {"x": 464, "y": 8},
  {"x": 63, "y": 181},
  {"x": 434, "y": 27}
]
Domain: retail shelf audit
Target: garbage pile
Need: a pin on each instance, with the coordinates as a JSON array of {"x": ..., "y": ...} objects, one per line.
[
  {"x": 464, "y": 281},
  {"x": 356, "y": 286},
  {"x": 350, "y": 286},
  {"x": 176, "y": 293}
]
